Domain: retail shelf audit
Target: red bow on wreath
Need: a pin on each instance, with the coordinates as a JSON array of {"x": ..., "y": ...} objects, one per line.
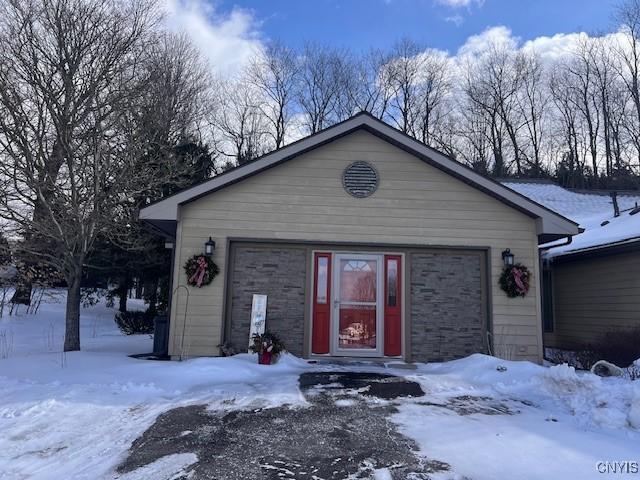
[
  {"x": 518, "y": 278},
  {"x": 514, "y": 280},
  {"x": 198, "y": 277}
]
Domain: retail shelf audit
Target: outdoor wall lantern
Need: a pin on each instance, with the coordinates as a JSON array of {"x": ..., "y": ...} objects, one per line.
[
  {"x": 508, "y": 258},
  {"x": 209, "y": 247}
]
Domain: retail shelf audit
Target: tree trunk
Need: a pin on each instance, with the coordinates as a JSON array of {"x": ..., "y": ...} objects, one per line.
[
  {"x": 138, "y": 289},
  {"x": 72, "y": 318},
  {"x": 122, "y": 296},
  {"x": 153, "y": 296},
  {"x": 123, "y": 291}
]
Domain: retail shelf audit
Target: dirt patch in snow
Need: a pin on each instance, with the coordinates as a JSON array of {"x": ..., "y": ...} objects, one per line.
[{"x": 344, "y": 433}]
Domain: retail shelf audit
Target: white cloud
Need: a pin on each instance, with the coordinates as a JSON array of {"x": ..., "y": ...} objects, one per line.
[
  {"x": 228, "y": 41},
  {"x": 555, "y": 47},
  {"x": 460, "y": 3},
  {"x": 457, "y": 20},
  {"x": 549, "y": 48},
  {"x": 499, "y": 36}
]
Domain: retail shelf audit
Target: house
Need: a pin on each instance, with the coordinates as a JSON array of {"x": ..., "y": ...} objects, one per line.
[
  {"x": 366, "y": 242},
  {"x": 592, "y": 284}
]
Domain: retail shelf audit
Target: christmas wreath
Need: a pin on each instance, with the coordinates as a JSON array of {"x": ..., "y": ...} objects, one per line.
[
  {"x": 200, "y": 270},
  {"x": 515, "y": 280}
]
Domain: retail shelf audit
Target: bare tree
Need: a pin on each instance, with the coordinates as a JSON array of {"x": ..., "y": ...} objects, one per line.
[
  {"x": 581, "y": 77},
  {"x": 433, "y": 103},
  {"x": 563, "y": 97},
  {"x": 485, "y": 114},
  {"x": 68, "y": 69},
  {"x": 239, "y": 127},
  {"x": 473, "y": 137},
  {"x": 274, "y": 73},
  {"x": 371, "y": 92},
  {"x": 320, "y": 86},
  {"x": 403, "y": 72},
  {"x": 500, "y": 75},
  {"x": 628, "y": 51},
  {"x": 175, "y": 93}
]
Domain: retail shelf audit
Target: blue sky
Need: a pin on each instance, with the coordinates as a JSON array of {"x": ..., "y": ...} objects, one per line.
[{"x": 360, "y": 24}]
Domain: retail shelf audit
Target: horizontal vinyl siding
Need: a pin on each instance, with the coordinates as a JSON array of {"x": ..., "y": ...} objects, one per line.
[
  {"x": 593, "y": 297},
  {"x": 303, "y": 199}
]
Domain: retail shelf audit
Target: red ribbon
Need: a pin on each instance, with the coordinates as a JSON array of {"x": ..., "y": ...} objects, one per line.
[
  {"x": 517, "y": 277},
  {"x": 198, "y": 276}
]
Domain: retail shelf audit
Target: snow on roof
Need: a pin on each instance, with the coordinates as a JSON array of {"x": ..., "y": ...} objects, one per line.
[{"x": 590, "y": 210}]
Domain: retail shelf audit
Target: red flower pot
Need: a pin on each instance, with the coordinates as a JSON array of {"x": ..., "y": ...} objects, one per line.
[{"x": 264, "y": 358}]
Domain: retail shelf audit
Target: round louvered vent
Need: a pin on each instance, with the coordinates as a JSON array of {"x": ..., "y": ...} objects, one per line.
[{"x": 360, "y": 179}]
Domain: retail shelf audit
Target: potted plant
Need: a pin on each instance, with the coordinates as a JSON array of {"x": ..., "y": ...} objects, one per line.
[{"x": 268, "y": 346}]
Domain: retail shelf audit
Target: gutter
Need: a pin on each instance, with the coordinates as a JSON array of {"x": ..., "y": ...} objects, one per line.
[{"x": 567, "y": 241}]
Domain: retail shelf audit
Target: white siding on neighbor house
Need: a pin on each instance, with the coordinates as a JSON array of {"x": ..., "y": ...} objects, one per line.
[
  {"x": 593, "y": 297},
  {"x": 303, "y": 199}
]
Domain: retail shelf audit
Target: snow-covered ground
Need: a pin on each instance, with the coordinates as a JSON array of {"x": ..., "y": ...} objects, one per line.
[
  {"x": 74, "y": 416},
  {"x": 568, "y": 422}
]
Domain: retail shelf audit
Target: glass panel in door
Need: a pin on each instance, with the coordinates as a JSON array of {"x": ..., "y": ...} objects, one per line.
[{"x": 357, "y": 322}]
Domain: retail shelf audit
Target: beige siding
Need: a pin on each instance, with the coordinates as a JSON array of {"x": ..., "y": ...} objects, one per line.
[
  {"x": 303, "y": 199},
  {"x": 593, "y": 297}
]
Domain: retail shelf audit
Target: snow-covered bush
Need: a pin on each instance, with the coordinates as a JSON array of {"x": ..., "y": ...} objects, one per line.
[
  {"x": 605, "y": 402},
  {"x": 620, "y": 347},
  {"x": 634, "y": 411},
  {"x": 633, "y": 372},
  {"x": 131, "y": 323}
]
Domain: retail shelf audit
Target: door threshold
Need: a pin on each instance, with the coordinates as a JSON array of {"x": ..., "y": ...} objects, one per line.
[{"x": 387, "y": 362}]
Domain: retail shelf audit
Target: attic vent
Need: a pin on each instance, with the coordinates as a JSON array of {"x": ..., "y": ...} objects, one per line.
[{"x": 360, "y": 179}]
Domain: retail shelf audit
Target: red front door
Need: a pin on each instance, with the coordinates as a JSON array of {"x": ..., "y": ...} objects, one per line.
[{"x": 357, "y": 305}]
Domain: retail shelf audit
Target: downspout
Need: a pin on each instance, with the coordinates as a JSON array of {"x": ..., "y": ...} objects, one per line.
[{"x": 541, "y": 286}]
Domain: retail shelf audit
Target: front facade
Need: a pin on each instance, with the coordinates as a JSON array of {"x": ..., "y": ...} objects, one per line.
[{"x": 367, "y": 244}]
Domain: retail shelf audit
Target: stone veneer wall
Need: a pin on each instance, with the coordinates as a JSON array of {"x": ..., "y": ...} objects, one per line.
[
  {"x": 447, "y": 320},
  {"x": 278, "y": 272}
]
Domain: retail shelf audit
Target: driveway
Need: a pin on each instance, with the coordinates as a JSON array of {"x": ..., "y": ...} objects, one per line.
[{"x": 345, "y": 432}]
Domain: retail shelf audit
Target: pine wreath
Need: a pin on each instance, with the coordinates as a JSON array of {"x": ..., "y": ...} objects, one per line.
[
  {"x": 200, "y": 270},
  {"x": 514, "y": 280}
]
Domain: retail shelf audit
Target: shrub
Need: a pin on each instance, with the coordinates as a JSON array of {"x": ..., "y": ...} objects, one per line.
[
  {"x": 130, "y": 323},
  {"x": 620, "y": 347}
]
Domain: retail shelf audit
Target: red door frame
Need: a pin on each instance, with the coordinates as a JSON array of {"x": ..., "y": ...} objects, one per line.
[
  {"x": 393, "y": 313},
  {"x": 321, "y": 315},
  {"x": 321, "y": 331}
]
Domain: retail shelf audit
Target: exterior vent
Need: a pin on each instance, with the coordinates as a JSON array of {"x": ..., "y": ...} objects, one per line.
[{"x": 360, "y": 179}]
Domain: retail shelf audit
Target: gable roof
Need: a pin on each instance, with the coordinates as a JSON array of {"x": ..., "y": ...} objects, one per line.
[{"x": 550, "y": 225}]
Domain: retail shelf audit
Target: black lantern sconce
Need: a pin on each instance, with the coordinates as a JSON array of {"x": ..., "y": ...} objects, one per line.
[
  {"x": 508, "y": 258},
  {"x": 209, "y": 247}
]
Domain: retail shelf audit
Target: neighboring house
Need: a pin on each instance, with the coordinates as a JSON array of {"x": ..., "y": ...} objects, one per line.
[
  {"x": 592, "y": 284},
  {"x": 367, "y": 243}
]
